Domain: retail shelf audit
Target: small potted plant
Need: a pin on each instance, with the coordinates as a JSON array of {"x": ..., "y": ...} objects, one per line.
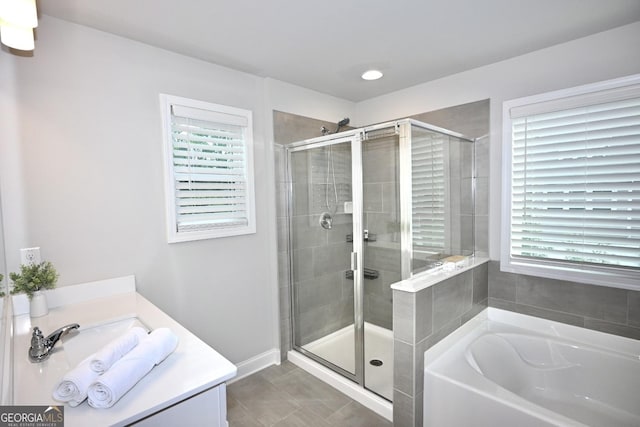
[{"x": 32, "y": 280}]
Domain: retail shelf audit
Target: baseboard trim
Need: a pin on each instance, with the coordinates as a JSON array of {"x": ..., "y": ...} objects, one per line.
[{"x": 256, "y": 363}]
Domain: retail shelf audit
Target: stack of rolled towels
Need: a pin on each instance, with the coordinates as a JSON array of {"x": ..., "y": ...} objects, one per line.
[{"x": 107, "y": 375}]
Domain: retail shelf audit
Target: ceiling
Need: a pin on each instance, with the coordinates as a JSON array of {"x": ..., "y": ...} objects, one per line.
[{"x": 326, "y": 45}]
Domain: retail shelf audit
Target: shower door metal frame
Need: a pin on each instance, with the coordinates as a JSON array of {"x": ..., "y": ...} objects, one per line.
[{"x": 357, "y": 265}]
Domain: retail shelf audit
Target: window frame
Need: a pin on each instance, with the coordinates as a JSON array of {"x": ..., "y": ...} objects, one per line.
[
  {"x": 624, "y": 278},
  {"x": 173, "y": 234}
]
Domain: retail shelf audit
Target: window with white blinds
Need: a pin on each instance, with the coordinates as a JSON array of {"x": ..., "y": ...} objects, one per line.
[
  {"x": 209, "y": 170},
  {"x": 428, "y": 201},
  {"x": 574, "y": 193}
]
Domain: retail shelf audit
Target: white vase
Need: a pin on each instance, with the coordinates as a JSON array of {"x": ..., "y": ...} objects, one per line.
[{"x": 38, "y": 305}]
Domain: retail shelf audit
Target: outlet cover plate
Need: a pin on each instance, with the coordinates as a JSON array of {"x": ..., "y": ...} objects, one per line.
[{"x": 30, "y": 256}]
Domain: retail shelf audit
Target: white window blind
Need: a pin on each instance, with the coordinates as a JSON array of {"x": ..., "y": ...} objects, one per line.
[
  {"x": 209, "y": 159},
  {"x": 575, "y": 186},
  {"x": 428, "y": 201}
]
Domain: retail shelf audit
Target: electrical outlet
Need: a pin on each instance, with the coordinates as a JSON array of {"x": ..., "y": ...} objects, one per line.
[{"x": 30, "y": 256}]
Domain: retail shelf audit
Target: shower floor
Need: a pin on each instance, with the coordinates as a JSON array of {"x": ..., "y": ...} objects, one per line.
[{"x": 338, "y": 348}]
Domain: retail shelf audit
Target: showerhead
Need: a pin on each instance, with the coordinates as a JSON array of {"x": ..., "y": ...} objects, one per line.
[{"x": 342, "y": 123}]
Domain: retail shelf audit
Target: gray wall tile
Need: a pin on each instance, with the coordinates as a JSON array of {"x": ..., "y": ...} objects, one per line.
[
  {"x": 403, "y": 367},
  {"x": 501, "y": 285},
  {"x": 633, "y": 304},
  {"x": 466, "y": 244},
  {"x": 480, "y": 283},
  {"x": 471, "y": 119},
  {"x": 465, "y": 192},
  {"x": 597, "y": 302},
  {"x": 419, "y": 409},
  {"x": 481, "y": 230},
  {"x": 378, "y": 311},
  {"x": 302, "y": 264},
  {"x": 482, "y": 196},
  {"x": 482, "y": 157},
  {"x": 288, "y": 128},
  {"x": 404, "y": 410},
  {"x": 441, "y": 333},
  {"x": 424, "y": 314},
  {"x": 404, "y": 316},
  {"x": 612, "y": 328},
  {"x": 503, "y": 304},
  {"x": 556, "y": 316},
  {"x": 452, "y": 298},
  {"x": 476, "y": 308},
  {"x": 372, "y": 197}
]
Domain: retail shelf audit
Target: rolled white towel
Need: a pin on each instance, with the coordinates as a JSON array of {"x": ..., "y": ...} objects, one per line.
[
  {"x": 73, "y": 386},
  {"x": 112, "y": 352},
  {"x": 126, "y": 372}
]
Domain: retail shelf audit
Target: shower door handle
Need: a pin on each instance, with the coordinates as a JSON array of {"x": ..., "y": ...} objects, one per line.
[{"x": 354, "y": 261}]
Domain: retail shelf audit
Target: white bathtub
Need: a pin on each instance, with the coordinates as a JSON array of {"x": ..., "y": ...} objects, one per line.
[{"x": 507, "y": 369}]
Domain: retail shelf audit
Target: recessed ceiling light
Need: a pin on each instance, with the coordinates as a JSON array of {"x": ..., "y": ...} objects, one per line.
[{"x": 372, "y": 75}]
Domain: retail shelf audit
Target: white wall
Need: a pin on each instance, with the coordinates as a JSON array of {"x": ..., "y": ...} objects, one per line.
[
  {"x": 81, "y": 150},
  {"x": 603, "y": 56},
  {"x": 293, "y": 99}
]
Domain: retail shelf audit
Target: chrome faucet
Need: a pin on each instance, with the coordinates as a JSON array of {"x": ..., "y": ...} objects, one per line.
[{"x": 41, "y": 347}]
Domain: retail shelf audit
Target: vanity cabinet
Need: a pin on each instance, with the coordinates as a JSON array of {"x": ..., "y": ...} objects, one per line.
[{"x": 208, "y": 408}]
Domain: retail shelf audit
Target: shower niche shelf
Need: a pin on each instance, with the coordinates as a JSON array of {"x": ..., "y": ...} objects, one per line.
[{"x": 369, "y": 273}]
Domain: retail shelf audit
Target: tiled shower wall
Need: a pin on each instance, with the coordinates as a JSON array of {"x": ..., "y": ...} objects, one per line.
[{"x": 380, "y": 164}]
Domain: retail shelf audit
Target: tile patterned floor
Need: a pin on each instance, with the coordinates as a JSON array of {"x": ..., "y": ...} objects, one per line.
[{"x": 287, "y": 396}]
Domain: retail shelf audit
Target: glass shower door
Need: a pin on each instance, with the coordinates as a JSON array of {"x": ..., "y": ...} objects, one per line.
[
  {"x": 321, "y": 244},
  {"x": 382, "y": 261}
]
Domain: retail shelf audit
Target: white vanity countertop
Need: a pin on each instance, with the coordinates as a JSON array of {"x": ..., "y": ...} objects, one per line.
[{"x": 192, "y": 368}]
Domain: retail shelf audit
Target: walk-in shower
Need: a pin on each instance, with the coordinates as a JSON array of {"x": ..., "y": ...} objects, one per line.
[{"x": 367, "y": 208}]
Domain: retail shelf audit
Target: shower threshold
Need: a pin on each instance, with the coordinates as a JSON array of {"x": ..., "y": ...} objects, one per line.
[
  {"x": 377, "y": 404},
  {"x": 338, "y": 349}
]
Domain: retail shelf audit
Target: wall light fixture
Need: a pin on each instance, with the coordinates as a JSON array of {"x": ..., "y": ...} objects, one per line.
[{"x": 18, "y": 18}]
